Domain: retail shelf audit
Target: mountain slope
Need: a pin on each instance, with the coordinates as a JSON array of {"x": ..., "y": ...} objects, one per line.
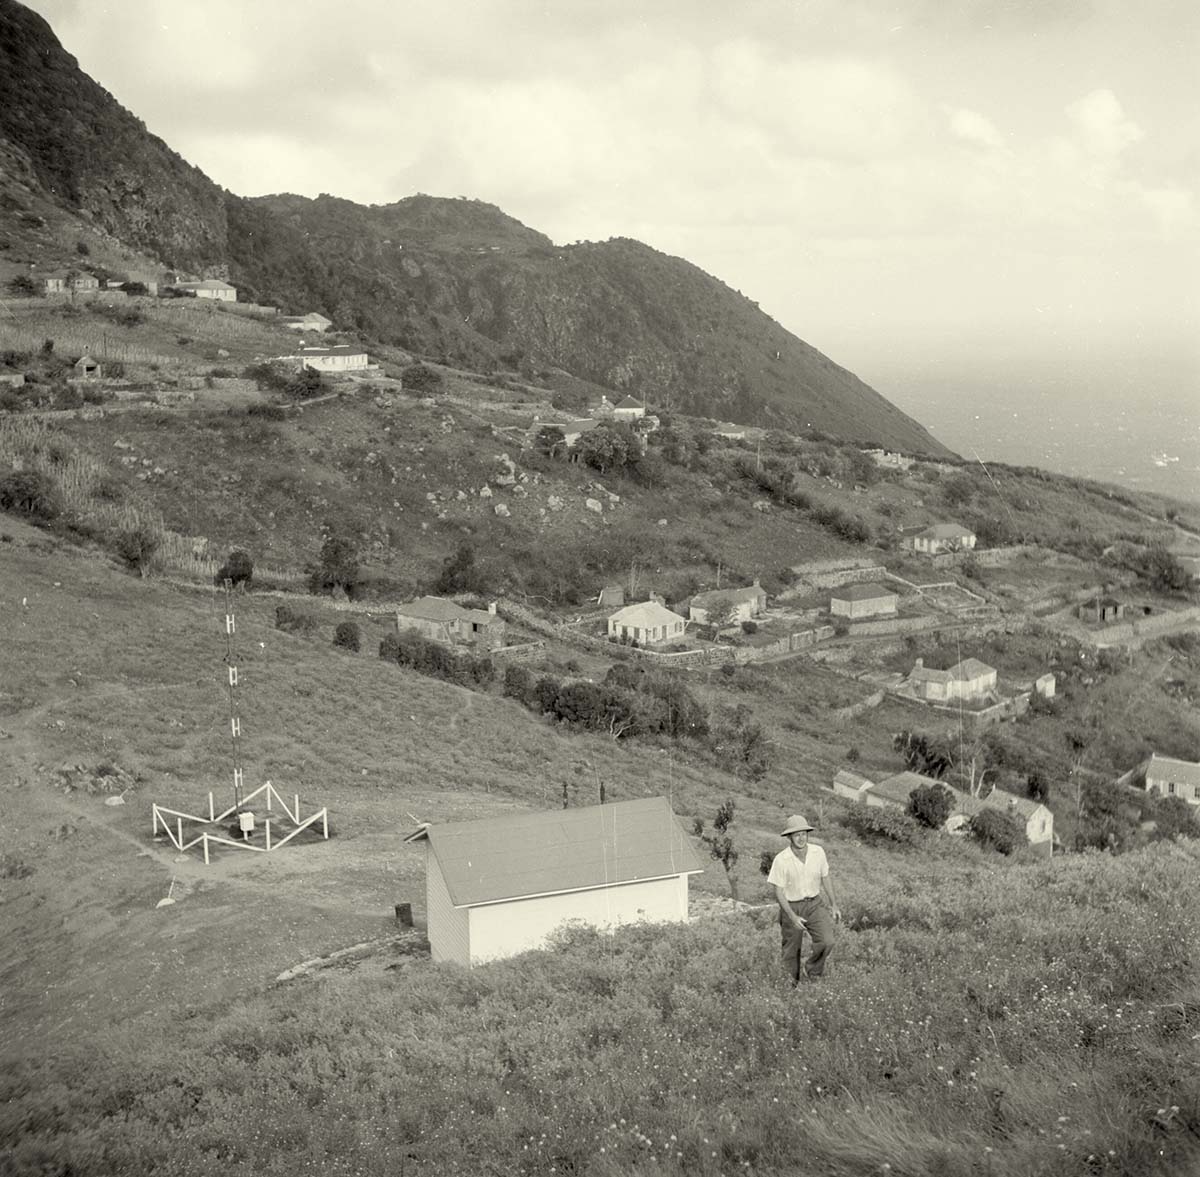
[{"x": 457, "y": 280}]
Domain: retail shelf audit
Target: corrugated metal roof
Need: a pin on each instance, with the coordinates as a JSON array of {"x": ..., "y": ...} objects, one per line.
[{"x": 547, "y": 853}]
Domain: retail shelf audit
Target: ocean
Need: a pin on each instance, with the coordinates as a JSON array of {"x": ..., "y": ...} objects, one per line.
[{"x": 1115, "y": 431}]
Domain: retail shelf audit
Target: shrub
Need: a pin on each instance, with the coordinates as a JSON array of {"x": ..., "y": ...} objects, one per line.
[
  {"x": 419, "y": 378},
  {"x": 337, "y": 568},
  {"x": 22, "y": 286},
  {"x": 135, "y": 288},
  {"x": 931, "y": 805},
  {"x": 739, "y": 742},
  {"x": 304, "y": 384},
  {"x": 31, "y": 493},
  {"x": 997, "y": 830},
  {"x": 238, "y": 567},
  {"x": 749, "y": 627},
  {"x": 518, "y": 683},
  {"x": 346, "y": 636},
  {"x": 267, "y": 412},
  {"x": 137, "y": 547},
  {"x": 294, "y": 621},
  {"x": 1174, "y": 817},
  {"x": 874, "y": 824}
]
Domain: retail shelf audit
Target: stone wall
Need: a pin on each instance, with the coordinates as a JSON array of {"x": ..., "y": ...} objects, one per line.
[{"x": 892, "y": 625}]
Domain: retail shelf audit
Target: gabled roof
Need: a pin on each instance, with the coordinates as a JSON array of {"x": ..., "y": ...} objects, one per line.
[
  {"x": 944, "y": 531},
  {"x": 644, "y": 613},
  {"x": 439, "y": 609},
  {"x": 897, "y": 788},
  {"x": 965, "y": 671},
  {"x": 751, "y": 592},
  {"x": 862, "y": 592},
  {"x": 1102, "y": 603},
  {"x": 551, "y": 852},
  {"x": 1182, "y": 772},
  {"x": 850, "y": 780},
  {"x": 629, "y": 403}
]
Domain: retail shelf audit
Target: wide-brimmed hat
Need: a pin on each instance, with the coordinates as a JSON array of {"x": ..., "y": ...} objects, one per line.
[{"x": 795, "y": 824}]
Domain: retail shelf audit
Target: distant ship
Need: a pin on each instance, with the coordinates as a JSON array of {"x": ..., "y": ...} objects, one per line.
[{"x": 1163, "y": 458}]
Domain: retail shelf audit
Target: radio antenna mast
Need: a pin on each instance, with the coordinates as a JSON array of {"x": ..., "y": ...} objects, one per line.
[{"x": 235, "y": 722}]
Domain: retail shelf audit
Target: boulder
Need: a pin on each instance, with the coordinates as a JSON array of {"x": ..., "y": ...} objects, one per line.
[{"x": 593, "y": 505}]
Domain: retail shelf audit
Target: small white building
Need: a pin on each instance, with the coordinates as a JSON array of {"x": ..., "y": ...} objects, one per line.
[
  {"x": 968, "y": 680},
  {"x": 648, "y": 623},
  {"x": 1173, "y": 778},
  {"x": 748, "y": 603},
  {"x": 310, "y": 322},
  {"x": 628, "y": 410},
  {"x": 863, "y": 600},
  {"x": 212, "y": 288},
  {"x": 498, "y": 886},
  {"x": 341, "y": 357},
  {"x": 944, "y": 537}
]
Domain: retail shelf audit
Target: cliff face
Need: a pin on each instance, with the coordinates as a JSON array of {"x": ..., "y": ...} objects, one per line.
[
  {"x": 453, "y": 279},
  {"x": 94, "y": 157}
]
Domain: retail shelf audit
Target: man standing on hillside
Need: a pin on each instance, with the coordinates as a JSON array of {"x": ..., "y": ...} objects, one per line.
[{"x": 804, "y": 891}]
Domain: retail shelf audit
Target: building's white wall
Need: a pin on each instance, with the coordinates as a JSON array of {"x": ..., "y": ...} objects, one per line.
[
  {"x": 1162, "y": 786},
  {"x": 448, "y": 926},
  {"x": 499, "y": 930}
]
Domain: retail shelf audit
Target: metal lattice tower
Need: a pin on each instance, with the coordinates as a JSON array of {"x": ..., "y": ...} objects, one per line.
[{"x": 235, "y": 722}]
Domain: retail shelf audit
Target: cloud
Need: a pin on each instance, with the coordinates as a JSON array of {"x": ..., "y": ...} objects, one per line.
[
  {"x": 974, "y": 128},
  {"x": 1104, "y": 127}
]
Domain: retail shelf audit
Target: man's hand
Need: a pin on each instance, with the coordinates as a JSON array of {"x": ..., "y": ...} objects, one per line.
[
  {"x": 837, "y": 915},
  {"x": 800, "y": 924}
]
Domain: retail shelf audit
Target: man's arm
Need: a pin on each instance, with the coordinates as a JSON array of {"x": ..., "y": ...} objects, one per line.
[
  {"x": 831, "y": 899},
  {"x": 786, "y": 908}
]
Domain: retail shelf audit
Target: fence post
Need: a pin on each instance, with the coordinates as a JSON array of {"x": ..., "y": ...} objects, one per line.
[{"x": 179, "y": 826}]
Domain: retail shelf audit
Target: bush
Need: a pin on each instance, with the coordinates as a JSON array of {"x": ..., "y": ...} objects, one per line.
[
  {"x": 304, "y": 384},
  {"x": 346, "y": 636},
  {"x": 337, "y": 568},
  {"x": 30, "y": 493},
  {"x": 267, "y": 412},
  {"x": 137, "y": 547},
  {"x": 997, "y": 830},
  {"x": 293, "y": 621},
  {"x": 931, "y": 805},
  {"x": 419, "y": 378},
  {"x": 518, "y": 683},
  {"x": 135, "y": 289},
  {"x": 874, "y": 824},
  {"x": 238, "y": 567},
  {"x": 22, "y": 286}
]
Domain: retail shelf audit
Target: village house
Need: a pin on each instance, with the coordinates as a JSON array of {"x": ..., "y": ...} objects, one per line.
[
  {"x": 628, "y": 410},
  {"x": 730, "y": 431},
  {"x": 212, "y": 288},
  {"x": 863, "y": 600},
  {"x": 943, "y": 537},
  {"x": 571, "y": 429},
  {"x": 84, "y": 282},
  {"x": 55, "y": 282},
  {"x": 10, "y": 379},
  {"x": 1173, "y": 778},
  {"x": 341, "y": 357},
  {"x": 498, "y": 886},
  {"x": 648, "y": 623},
  {"x": 612, "y": 596},
  {"x": 87, "y": 368},
  {"x": 967, "y": 681},
  {"x": 446, "y": 621},
  {"x": 748, "y": 603},
  {"x": 895, "y": 791},
  {"x": 310, "y": 322},
  {"x": 1101, "y": 610},
  {"x": 889, "y": 460},
  {"x": 69, "y": 282},
  {"x": 601, "y": 409}
]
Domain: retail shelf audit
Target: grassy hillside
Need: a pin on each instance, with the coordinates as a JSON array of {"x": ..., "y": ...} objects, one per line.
[{"x": 981, "y": 1015}]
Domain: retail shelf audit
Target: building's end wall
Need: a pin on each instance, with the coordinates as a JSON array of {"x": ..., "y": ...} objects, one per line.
[{"x": 448, "y": 926}]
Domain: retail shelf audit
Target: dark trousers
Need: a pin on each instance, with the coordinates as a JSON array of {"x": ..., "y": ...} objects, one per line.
[{"x": 819, "y": 920}]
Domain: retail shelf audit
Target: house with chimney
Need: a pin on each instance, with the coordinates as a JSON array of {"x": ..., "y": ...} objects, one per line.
[
  {"x": 649, "y": 623},
  {"x": 968, "y": 681},
  {"x": 1168, "y": 777},
  {"x": 446, "y": 621},
  {"x": 747, "y": 603},
  {"x": 943, "y": 537}
]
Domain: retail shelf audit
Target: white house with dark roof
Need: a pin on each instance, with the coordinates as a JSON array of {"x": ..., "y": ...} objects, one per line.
[
  {"x": 748, "y": 603},
  {"x": 944, "y": 537},
  {"x": 340, "y": 357},
  {"x": 498, "y": 886},
  {"x": 648, "y": 623},
  {"x": 212, "y": 288},
  {"x": 863, "y": 600},
  {"x": 1169, "y": 777},
  {"x": 628, "y": 410},
  {"x": 967, "y": 681},
  {"x": 313, "y": 321},
  {"x": 447, "y": 621}
]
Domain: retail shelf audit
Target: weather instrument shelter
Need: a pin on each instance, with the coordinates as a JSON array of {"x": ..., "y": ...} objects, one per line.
[{"x": 501, "y": 885}]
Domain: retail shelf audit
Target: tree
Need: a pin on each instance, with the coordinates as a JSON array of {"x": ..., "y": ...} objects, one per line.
[
  {"x": 720, "y": 841},
  {"x": 551, "y": 441},
  {"x": 32, "y": 493},
  {"x": 238, "y": 568},
  {"x": 1174, "y": 817},
  {"x": 346, "y": 636},
  {"x": 923, "y": 753},
  {"x": 304, "y": 385},
  {"x": 1037, "y": 787},
  {"x": 337, "y": 567},
  {"x": 740, "y": 743},
  {"x": 931, "y": 805},
  {"x": 1163, "y": 571},
  {"x": 22, "y": 286},
  {"x": 135, "y": 288},
  {"x": 459, "y": 573},
  {"x": 997, "y": 830},
  {"x": 419, "y": 378},
  {"x": 137, "y": 547},
  {"x": 608, "y": 447},
  {"x": 720, "y": 611}
]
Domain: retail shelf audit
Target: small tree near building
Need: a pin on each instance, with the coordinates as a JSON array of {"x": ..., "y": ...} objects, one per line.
[
  {"x": 337, "y": 567},
  {"x": 720, "y": 841},
  {"x": 997, "y": 830},
  {"x": 238, "y": 568},
  {"x": 137, "y": 547},
  {"x": 931, "y": 805},
  {"x": 346, "y": 636}
]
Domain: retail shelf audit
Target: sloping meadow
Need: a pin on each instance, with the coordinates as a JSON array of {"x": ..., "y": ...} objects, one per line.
[{"x": 1045, "y": 1021}]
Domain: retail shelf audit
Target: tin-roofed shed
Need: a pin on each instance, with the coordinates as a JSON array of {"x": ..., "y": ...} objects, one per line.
[{"x": 501, "y": 885}]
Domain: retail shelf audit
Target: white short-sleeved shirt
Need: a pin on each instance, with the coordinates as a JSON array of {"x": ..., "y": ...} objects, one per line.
[{"x": 799, "y": 880}]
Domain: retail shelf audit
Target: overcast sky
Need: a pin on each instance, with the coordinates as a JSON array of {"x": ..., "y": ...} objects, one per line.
[{"x": 902, "y": 183}]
